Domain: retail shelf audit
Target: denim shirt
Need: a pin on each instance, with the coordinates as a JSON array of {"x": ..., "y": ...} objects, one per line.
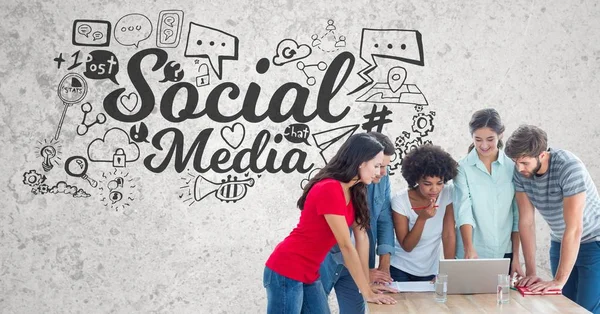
[{"x": 380, "y": 233}]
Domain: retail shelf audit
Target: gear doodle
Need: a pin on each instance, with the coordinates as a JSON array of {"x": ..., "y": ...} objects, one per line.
[
  {"x": 400, "y": 145},
  {"x": 401, "y": 140},
  {"x": 423, "y": 123},
  {"x": 412, "y": 145},
  {"x": 33, "y": 178}
]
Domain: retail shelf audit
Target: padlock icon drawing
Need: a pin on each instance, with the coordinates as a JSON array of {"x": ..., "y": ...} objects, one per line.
[
  {"x": 203, "y": 77},
  {"x": 119, "y": 158}
]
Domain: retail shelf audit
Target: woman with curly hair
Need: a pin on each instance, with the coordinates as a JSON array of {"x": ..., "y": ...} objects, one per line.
[
  {"x": 423, "y": 214},
  {"x": 333, "y": 200}
]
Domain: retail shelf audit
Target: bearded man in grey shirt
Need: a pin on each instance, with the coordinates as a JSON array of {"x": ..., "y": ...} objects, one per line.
[{"x": 557, "y": 183}]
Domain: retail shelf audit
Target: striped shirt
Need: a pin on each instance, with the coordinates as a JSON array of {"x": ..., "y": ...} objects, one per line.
[{"x": 566, "y": 176}]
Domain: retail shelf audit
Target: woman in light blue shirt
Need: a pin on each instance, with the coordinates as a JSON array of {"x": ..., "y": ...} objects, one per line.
[{"x": 484, "y": 195}]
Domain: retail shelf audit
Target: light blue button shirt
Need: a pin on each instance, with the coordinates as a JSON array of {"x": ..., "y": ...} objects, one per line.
[{"x": 487, "y": 202}]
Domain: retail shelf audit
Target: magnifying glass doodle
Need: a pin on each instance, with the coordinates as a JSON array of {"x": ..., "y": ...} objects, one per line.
[
  {"x": 71, "y": 90},
  {"x": 76, "y": 166}
]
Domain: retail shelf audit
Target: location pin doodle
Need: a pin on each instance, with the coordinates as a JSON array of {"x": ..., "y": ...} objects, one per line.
[{"x": 396, "y": 78}]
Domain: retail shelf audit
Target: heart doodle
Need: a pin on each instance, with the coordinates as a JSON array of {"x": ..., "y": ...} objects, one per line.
[
  {"x": 130, "y": 102},
  {"x": 234, "y": 136}
]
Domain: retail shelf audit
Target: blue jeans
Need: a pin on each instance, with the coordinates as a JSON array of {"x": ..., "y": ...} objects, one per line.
[
  {"x": 399, "y": 275},
  {"x": 289, "y": 296},
  {"x": 336, "y": 276},
  {"x": 583, "y": 285}
]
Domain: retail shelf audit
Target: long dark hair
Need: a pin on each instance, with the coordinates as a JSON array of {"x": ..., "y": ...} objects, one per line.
[
  {"x": 343, "y": 167},
  {"x": 486, "y": 118}
]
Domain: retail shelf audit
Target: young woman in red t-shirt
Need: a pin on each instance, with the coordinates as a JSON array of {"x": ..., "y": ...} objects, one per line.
[{"x": 332, "y": 201}]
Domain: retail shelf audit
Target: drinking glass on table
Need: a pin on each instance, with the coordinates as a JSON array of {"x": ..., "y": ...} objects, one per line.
[
  {"x": 503, "y": 292},
  {"x": 441, "y": 288}
]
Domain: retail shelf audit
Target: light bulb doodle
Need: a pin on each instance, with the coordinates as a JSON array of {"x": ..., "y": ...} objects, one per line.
[{"x": 48, "y": 152}]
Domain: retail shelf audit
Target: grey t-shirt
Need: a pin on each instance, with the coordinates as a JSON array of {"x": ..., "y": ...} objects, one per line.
[{"x": 565, "y": 177}]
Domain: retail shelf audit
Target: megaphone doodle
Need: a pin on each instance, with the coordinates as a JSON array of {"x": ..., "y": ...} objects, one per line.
[{"x": 229, "y": 190}]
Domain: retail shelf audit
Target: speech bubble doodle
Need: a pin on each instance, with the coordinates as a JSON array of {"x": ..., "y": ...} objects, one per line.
[
  {"x": 115, "y": 196},
  {"x": 297, "y": 133},
  {"x": 84, "y": 29},
  {"x": 97, "y": 35},
  {"x": 168, "y": 34},
  {"x": 173, "y": 72},
  {"x": 133, "y": 28},
  {"x": 168, "y": 31},
  {"x": 169, "y": 20},
  {"x": 139, "y": 134},
  {"x": 98, "y": 29},
  {"x": 213, "y": 44},
  {"x": 397, "y": 44},
  {"x": 102, "y": 64}
]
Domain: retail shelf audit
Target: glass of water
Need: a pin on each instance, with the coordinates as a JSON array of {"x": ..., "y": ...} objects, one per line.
[
  {"x": 441, "y": 288},
  {"x": 503, "y": 292}
]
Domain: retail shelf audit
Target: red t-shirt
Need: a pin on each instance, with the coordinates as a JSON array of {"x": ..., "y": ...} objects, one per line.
[{"x": 300, "y": 254}]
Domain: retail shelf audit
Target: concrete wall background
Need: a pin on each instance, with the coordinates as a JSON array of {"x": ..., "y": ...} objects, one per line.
[{"x": 69, "y": 248}]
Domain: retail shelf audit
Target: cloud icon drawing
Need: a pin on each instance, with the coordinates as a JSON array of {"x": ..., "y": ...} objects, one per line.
[
  {"x": 288, "y": 50},
  {"x": 102, "y": 150}
]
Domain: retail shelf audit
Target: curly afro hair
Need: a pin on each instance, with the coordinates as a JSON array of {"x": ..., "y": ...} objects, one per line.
[{"x": 428, "y": 161}]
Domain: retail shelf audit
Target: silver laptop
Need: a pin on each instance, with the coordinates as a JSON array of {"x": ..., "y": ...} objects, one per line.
[{"x": 470, "y": 276}]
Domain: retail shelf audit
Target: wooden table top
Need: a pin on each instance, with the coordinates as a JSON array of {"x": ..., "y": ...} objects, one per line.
[{"x": 423, "y": 302}]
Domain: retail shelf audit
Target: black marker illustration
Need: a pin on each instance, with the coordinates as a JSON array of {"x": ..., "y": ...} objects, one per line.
[
  {"x": 229, "y": 190},
  {"x": 33, "y": 178},
  {"x": 203, "y": 76},
  {"x": 297, "y": 133},
  {"x": 396, "y": 44},
  {"x": 172, "y": 72},
  {"x": 139, "y": 134},
  {"x": 377, "y": 118},
  {"x": 71, "y": 90},
  {"x": 394, "y": 91},
  {"x": 423, "y": 123},
  {"x": 118, "y": 189},
  {"x": 59, "y": 60},
  {"x": 77, "y": 166},
  {"x": 133, "y": 28},
  {"x": 168, "y": 30},
  {"x": 91, "y": 33},
  {"x": 330, "y": 141},
  {"x": 115, "y": 147},
  {"x": 50, "y": 152},
  {"x": 328, "y": 41},
  {"x": 129, "y": 102},
  {"x": 38, "y": 186},
  {"x": 310, "y": 80},
  {"x": 64, "y": 188},
  {"x": 83, "y": 127},
  {"x": 212, "y": 44},
  {"x": 288, "y": 50},
  {"x": 234, "y": 135},
  {"x": 102, "y": 64}
]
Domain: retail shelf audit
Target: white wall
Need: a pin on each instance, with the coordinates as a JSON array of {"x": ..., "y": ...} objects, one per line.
[{"x": 153, "y": 251}]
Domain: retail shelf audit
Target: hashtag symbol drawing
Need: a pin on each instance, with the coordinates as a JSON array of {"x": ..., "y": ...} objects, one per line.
[{"x": 376, "y": 119}]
